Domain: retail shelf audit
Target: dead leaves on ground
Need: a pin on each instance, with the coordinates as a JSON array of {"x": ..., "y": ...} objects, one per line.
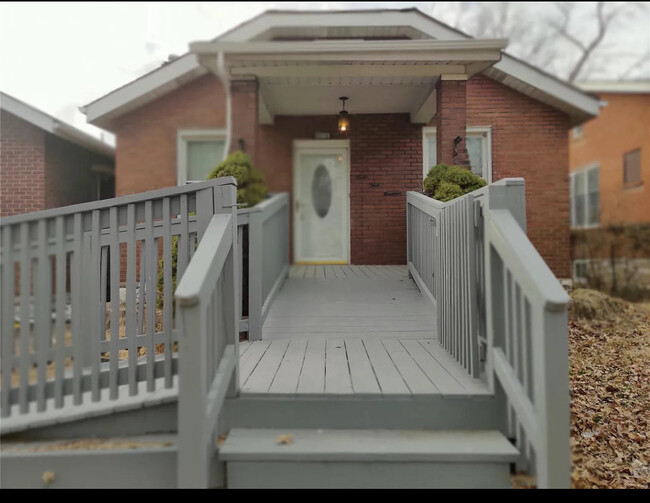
[{"x": 610, "y": 400}]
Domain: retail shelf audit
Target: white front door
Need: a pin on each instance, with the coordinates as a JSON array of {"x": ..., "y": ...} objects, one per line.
[{"x": 321, "y": 202}]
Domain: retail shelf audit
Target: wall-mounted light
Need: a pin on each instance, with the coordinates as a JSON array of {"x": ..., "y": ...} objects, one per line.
[{"x": 344, "y": 118}]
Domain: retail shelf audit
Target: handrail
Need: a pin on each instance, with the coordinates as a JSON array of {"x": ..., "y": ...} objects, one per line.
[
  {"x": 207, "y": 263},
  {"x": 524, "y": 260},
  {"x": 118, "y": 201},
  {"x": 527, "y": 327},
  {"x": 207, "y": 301}
]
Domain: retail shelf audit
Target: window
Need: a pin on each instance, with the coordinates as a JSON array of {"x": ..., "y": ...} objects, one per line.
[
  {"x": 578, "y": 131},
  {"x": 479, "y": 149},
  {"x": 580, "y": 271},
  {"x": 428, "y": 149},
  {"x": 199, "y": 151},
  {"x": 585, "y": 197},
  {"x": 632, "y": 168}
]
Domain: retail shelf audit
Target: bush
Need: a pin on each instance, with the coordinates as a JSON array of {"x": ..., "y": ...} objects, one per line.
[
  {"x": 445, "y": 183},
  {"x": 251, "y": 188}
]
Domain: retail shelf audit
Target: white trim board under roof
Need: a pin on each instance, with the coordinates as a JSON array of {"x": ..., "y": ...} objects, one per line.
[
  {"x": 509, "y": 71},
  {"x": 54, "y": 126},
  {"x": 616, "y": 87}
]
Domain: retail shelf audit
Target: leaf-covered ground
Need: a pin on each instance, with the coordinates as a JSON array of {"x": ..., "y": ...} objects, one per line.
[{"x": 610, "y": 395}]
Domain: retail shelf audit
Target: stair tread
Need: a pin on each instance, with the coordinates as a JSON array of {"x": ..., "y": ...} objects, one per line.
[{"x": 378, "y": 445}]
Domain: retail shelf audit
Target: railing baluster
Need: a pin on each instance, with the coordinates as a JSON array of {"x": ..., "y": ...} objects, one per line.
[
  {"x": 95, "y": 297},
  {"x": 60, "y": 301},
  {"x": 25, "y": 276},
  {"x": 115, "y": 301},
  {"x": 42, "y": 312},
  {"x": 77, "y": 266},
  {"x": 150, "y": 293},
  {"x": 8, "y": 313},
  {"x": 131, "y": 313},
  {"x": 167, "y": 290}
]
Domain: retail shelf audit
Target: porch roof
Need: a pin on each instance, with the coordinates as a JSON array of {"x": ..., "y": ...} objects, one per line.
[
  {"x": 272, "y": 28},
  {"x": 307, "y": 78}
]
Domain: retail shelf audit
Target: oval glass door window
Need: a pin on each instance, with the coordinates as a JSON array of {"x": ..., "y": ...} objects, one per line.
[{"x": 321, "y": 191}]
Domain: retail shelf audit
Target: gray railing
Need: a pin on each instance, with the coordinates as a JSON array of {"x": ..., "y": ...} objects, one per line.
[
  {"x": 443, "y": 258},
  {"x": 498, "y": 302},
  {"x": 208, "y": 308},
  {"x": 61, "y": 335},
  {"x": 268, "y": 257},
  {"x": 527, "y": 340}
]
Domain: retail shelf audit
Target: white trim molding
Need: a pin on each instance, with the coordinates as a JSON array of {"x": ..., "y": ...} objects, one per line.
[
  {"x": 484, "y": 131},
  {"x": 321, "y": 147},
  {"x": 185, "y": 135}
]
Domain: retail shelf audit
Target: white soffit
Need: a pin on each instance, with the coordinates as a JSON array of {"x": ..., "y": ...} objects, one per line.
[
  {"x": 616, "y": 87},
  {"x": 147, "y": 88}
]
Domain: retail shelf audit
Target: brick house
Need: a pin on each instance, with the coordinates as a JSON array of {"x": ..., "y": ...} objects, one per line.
[
  {"x": 418, "y": 93},
  {"x": 45, "y": 163},
  {"x": 609, "y": 160}
]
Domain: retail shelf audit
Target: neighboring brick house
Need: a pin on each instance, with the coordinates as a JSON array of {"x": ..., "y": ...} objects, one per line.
[
  {"x": 45, "y": 163},
  {"x": 271, "y": 87},
  {"x": 609, "y": 159}
]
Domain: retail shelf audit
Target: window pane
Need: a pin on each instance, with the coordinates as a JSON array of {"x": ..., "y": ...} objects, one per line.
[
  {"x": 475, "y": 152},
  {"x": 431, "y": 152},
  {"x": 202, "y": 157},
  {"x": 632, "y": 167},
  {"x": 580, "y": 210},
  {"x": 593, "y": 208},
  {"x": 572, "y": 192}
]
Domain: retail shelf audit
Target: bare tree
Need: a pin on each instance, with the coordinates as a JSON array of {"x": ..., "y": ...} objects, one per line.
[{"x": 570, "y": 40}]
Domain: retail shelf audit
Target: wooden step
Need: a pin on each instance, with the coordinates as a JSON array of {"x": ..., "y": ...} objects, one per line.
[{"x": 367, "y": 458}]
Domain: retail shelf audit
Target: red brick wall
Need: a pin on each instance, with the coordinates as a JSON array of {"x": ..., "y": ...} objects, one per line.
[
  {"x": 529, "y": 140},
  {"x": 243, "y": 102},
  {"x": 68, "y": 175},
  {"x": 146, "y": 138},
  {"x": 451, "y": 121},
  {"x": 22, "y": 166},
  {"x": 385, "y": 150}
]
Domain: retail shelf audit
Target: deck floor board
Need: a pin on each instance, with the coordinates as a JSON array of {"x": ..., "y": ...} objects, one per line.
[{"x": 343, "y": 330}]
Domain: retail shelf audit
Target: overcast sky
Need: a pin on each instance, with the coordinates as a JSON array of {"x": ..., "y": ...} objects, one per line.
[{"x": 61, "y": 55}]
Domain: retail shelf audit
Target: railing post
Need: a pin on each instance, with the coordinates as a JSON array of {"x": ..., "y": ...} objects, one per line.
[
  {"x": 255, "y": 299},
  {"x": 194, "y": 448},
  {"x": 509, "y": 194},
  {"x": 550, "y": 378}
]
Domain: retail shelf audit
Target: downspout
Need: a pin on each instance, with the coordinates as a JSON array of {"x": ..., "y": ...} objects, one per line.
[{"x": 222, "y": 75}]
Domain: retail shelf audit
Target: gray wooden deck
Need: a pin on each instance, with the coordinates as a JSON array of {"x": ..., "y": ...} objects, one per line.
[{"x": 351, "y": 331}]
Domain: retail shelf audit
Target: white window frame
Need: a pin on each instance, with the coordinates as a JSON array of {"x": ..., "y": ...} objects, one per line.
[
  {"x": 185, "y": 135},
  {"x": 426, "y": 132},
  {"x": 578, "y": 131},
  {"x": 485, "y": 131},
  {"x": 579, "y": 280},
  {"x": 585, "y": 170}
]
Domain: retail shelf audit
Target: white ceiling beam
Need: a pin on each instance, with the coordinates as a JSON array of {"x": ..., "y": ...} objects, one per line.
[
  {"x": 264, "y": 115},
  {"x": 312, "y": 71},
  {"x": 424, "y": 112}
]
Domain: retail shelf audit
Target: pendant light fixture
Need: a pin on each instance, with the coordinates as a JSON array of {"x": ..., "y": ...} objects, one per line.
[{"x": 344, "y": 119}]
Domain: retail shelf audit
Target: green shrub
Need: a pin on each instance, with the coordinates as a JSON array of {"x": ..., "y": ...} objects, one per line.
[
  {"x": 445, "y": 183},
  {"x": 251, "y": 190}
]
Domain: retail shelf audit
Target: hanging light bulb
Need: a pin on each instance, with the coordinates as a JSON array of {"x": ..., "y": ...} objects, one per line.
[{"x": 344, "y": 118}]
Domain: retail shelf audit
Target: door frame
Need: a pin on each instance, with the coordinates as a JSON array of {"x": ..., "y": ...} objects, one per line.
[{"x": 321, "y": 147}]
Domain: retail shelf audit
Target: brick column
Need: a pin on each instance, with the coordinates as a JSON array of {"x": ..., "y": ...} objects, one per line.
[
  {"x": 451, "y": 121},
  {"x": 243, "y": 115}
]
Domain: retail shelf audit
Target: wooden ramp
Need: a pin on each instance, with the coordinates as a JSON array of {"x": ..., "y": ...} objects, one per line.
[
  {"x": 351, "y": 331},
  {"x": 349, "y": 302}
]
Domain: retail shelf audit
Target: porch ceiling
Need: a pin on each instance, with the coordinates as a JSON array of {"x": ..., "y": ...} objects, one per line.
[{"x": 307, "y": 78}]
